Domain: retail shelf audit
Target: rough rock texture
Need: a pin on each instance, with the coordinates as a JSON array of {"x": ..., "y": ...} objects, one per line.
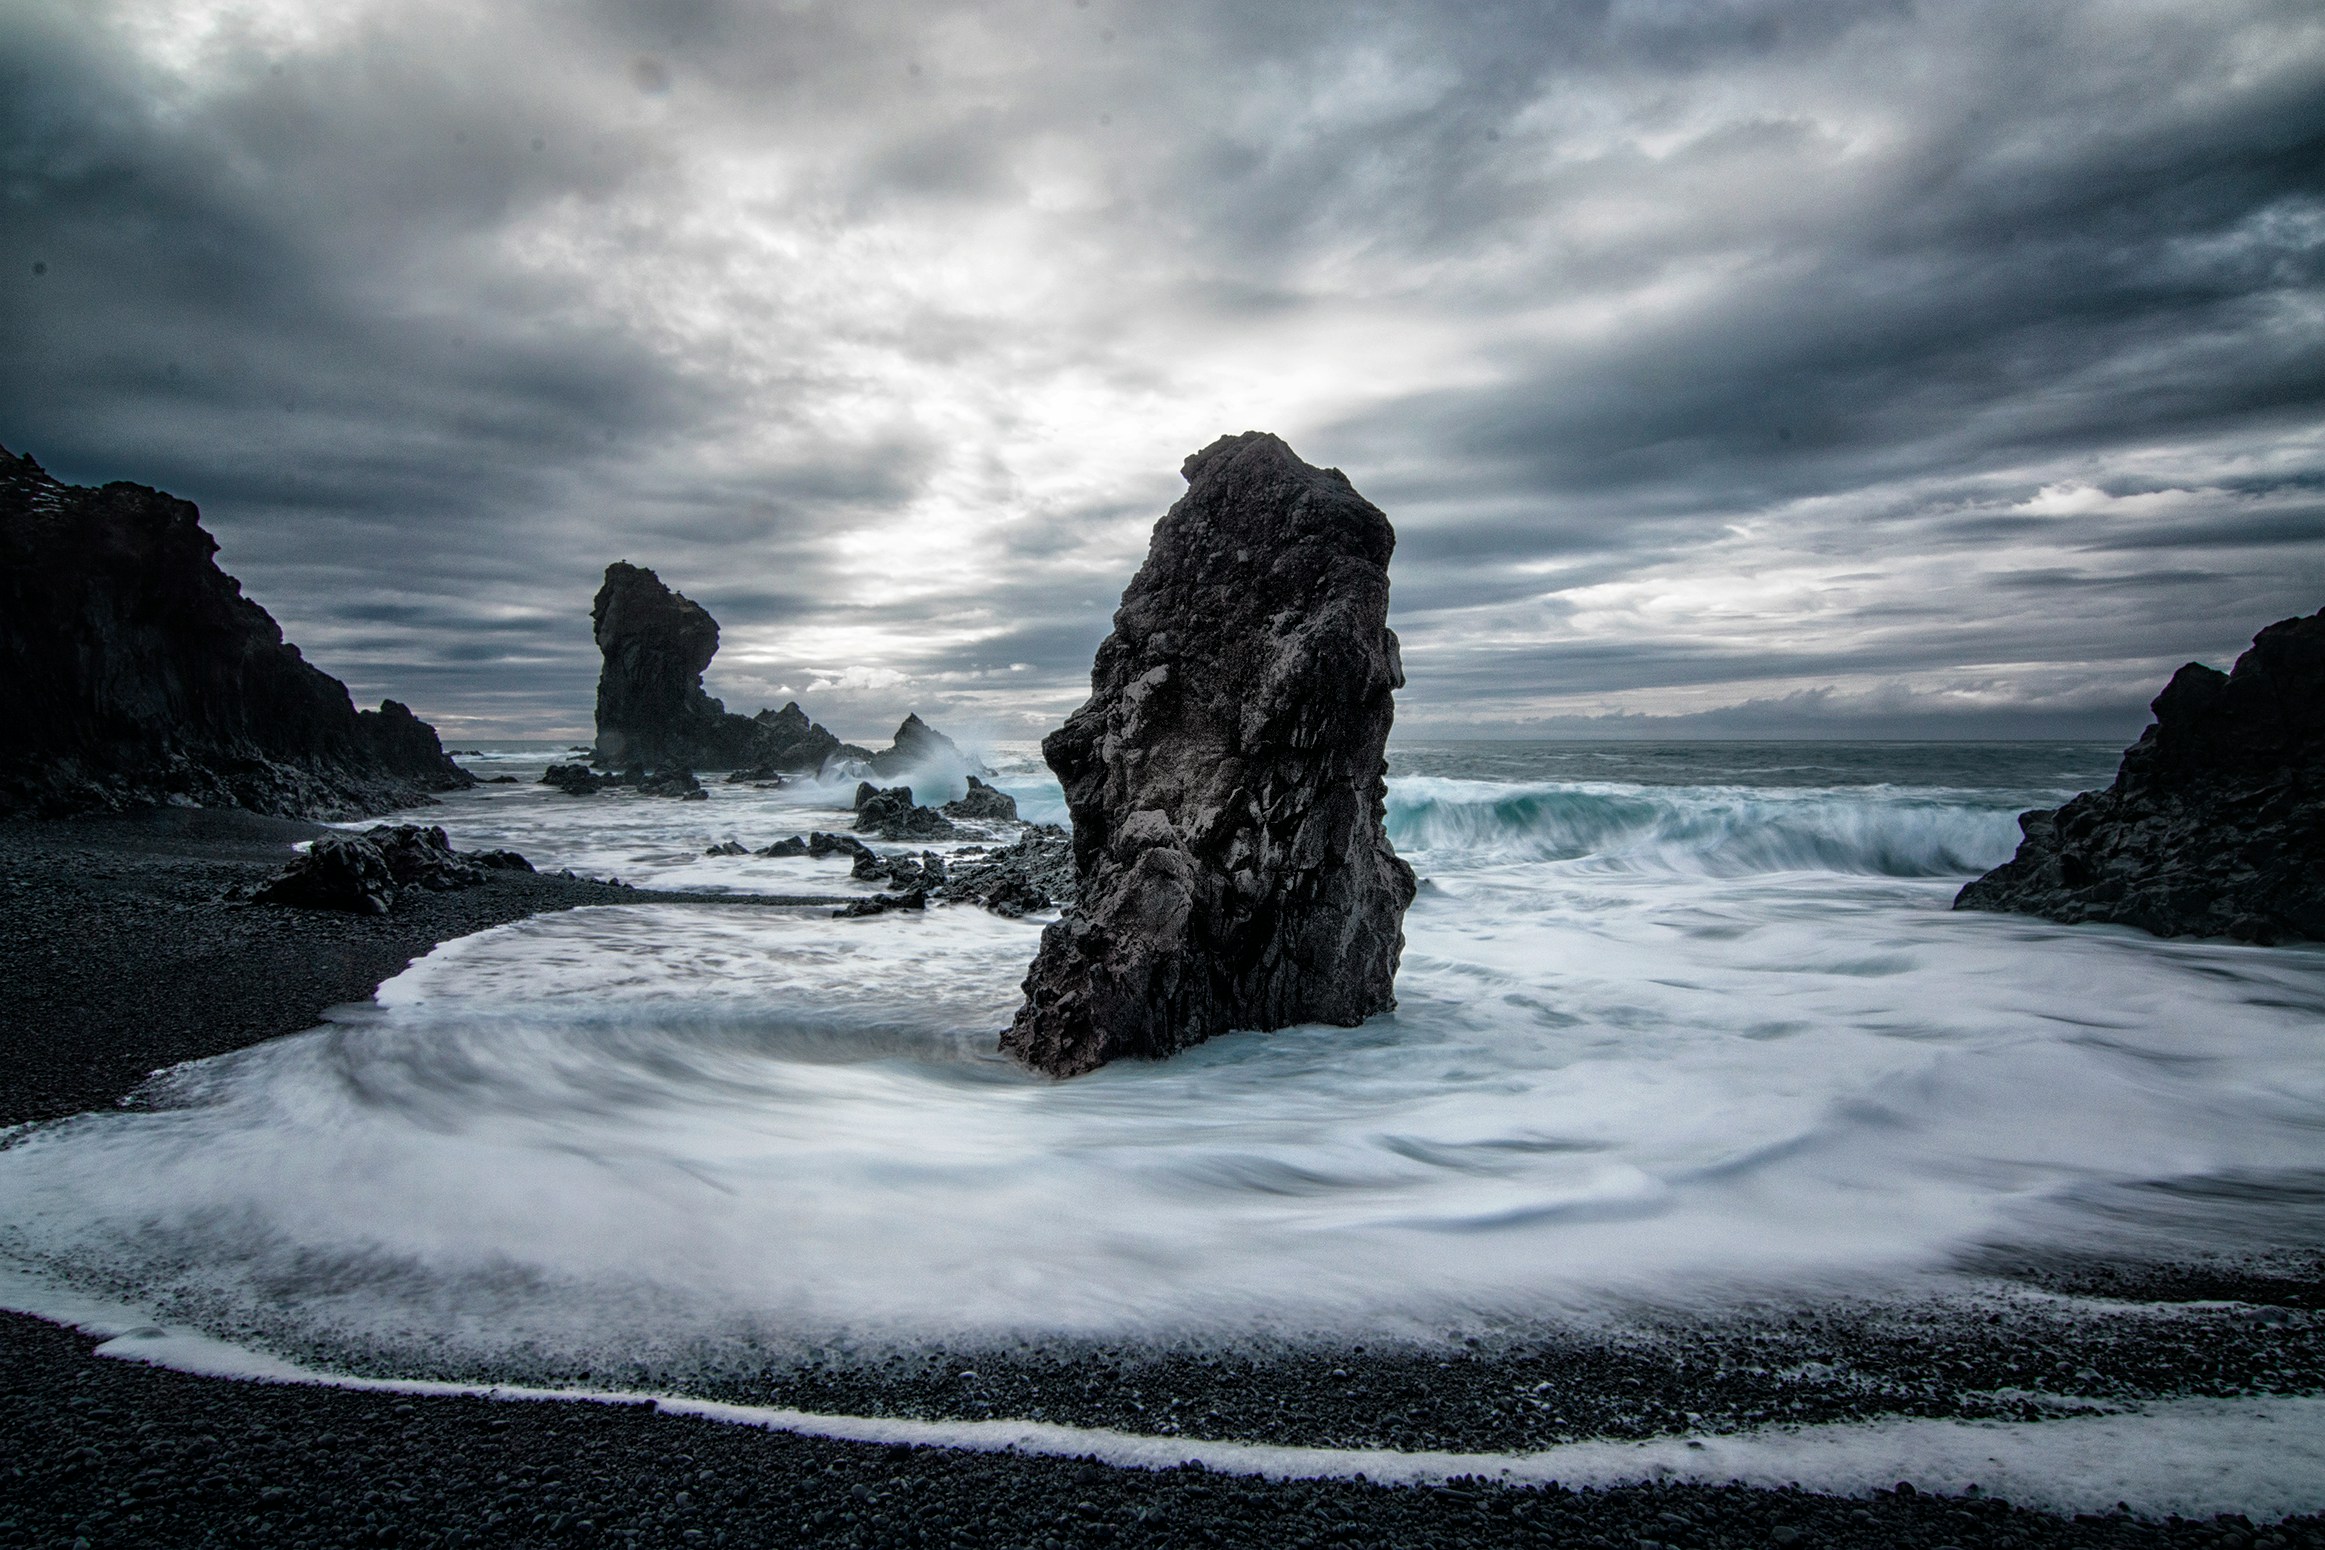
[
  {"x": 982, "y": 802},
  {"x": 1029, "y": 876},
  {"x": 365, "y": 874},
  {"x": 1226, "y": 778},
  {"x": 134, "y": 672},
  {"x": 893, "y": 815},
  {"x": 652, "y": 711},
  {"x": 338, "y": 872},
  {"x": 2215, "y": 825}
]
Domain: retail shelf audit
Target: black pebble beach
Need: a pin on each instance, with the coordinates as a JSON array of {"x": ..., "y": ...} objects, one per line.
[{"x": 126, "y": 946}]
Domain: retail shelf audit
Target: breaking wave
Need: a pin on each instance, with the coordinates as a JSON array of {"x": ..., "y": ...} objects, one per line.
[{"x": 1719, "y": 831}]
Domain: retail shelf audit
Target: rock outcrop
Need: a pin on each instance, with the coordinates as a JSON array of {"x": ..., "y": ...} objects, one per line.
[
  {"x": 364, "y": 874},
  {"x": 653, "y": 713},
  {"x": 1226, "y": 778},
  {"x": 1031, "y": 875},
  {"x": 983, "y": 803},
  {"x": 892, "y": 814},
  {"x": 2215, "y": 825},
  {"x": 134, "y": 672}
]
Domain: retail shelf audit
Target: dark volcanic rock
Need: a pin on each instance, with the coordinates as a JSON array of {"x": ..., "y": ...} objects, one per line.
[
  {"x": 1226, "y": 778},
  {"x": 1021, "y": 879},
  {"x": 423, "y": 857},
  {"x": 652, "y": 711},
  {"x": 893, "y": 815},
  {"x": 577, "y": 780},
  {"x": 820, "y": 844},
  {"x": 679, "y": 783},
  {"x": 918, "y": 746},
  {"x": 134, "y": 672},
  {"x": 338, "y": 872},
  {"x": 983, "y": 802},
  {"x": 881, "y": 904},
  {"x": 791, "y": 742},
  {"x": 365, "y": 874},
  {"x": 2215, "y": 825}
]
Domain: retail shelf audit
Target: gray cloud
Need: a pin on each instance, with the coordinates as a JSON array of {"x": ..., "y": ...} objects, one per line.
[{"x": 1765, "y": 366}]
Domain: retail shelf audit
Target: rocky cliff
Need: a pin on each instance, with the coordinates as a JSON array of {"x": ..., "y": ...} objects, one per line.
[
  {"x": 1226, "y": 778},
  {"x": 133, "y": 672},
  {"x": 2215, "y": 825}
]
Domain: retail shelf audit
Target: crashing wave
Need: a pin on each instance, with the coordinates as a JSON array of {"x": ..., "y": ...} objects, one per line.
[{"x": 1711, "y": 830}]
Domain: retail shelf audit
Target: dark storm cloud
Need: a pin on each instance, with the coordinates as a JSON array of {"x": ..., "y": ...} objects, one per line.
[{"x": 1757, "y": 364}]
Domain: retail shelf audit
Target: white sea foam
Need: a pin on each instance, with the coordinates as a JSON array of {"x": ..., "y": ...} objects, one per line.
[
  {"x": 1676, "y": 1043},
  {"x": 2261, "y": 1456}
]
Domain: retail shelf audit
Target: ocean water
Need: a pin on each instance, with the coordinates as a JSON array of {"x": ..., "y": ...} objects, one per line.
[{"x": 1679, "y": 1025}]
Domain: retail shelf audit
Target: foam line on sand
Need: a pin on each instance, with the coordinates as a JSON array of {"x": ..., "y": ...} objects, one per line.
[{"x": 2261, "y": 1455}]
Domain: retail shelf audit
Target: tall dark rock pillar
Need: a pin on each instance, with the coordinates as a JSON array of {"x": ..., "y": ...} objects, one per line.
[
  {"x": 1226, "y": 778},
  {"x": 651, "y": 708}
]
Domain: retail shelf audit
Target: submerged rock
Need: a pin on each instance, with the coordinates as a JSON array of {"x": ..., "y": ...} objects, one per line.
[
  {"x": 679, "y": 783},
  {"x": 1226, "y": 778},
  {"x": 881, "y": 904},
  {"x": 2215, "y": 825},
  {"x": 982, "y": 802},
  {"x": 134, "y": 672},
  {"x": 577, "y": 780},
  {"x": 820, "y": 844}
]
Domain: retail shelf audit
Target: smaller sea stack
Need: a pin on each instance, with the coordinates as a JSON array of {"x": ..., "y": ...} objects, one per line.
[
  {"x": 652, "y": 711},
  {"x": 2215, "y": 825},
  {"x": 1226, "y": 778}
]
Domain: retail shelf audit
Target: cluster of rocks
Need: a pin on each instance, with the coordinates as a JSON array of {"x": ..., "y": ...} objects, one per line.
[
  {"x": 2215, "y": 825},
  {"x": 133, "y": 672},
  {"x": 892, "y": 814},
  {"x": 1226, "y": 778},
  {"x": 1034, "y": 873},
  {"x": 579, "y": 780},
  {"x": 363, "y": 874}
]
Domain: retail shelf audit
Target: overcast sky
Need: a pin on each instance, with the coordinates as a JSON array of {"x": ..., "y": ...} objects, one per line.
[{"x": 1822, "y": 368}]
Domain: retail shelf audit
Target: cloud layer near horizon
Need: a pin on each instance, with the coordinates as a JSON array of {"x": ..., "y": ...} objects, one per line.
[{"x": 1752, "y": 367}]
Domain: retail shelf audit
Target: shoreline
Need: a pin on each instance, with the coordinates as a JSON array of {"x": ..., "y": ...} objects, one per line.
[{"x": 119, "y": 954}]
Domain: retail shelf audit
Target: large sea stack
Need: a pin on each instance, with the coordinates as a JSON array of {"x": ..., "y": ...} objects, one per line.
[
  {"x": 2215, "y": 825},
  {"x": 134, "y": 672},
  {"x": 1226, "y": 778}
]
